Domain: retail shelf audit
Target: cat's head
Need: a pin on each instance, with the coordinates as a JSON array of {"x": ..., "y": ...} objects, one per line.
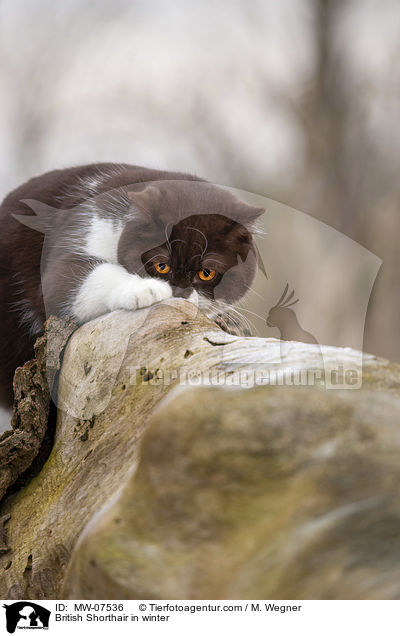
[{"x": 193, "y": 235}]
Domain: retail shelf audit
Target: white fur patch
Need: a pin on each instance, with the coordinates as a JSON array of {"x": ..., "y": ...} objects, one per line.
[
  {"x": 194, "y": 298},
  {"x": 102, "y": 239},
  {"x": 109, "y": 286}
]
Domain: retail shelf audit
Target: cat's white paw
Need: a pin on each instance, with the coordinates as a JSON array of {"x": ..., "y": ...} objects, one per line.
[
  {"x": 109, "y": 287},
  {"x": 143, "y": 292}
]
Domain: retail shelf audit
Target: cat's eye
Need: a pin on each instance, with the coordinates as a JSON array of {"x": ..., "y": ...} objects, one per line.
[
  {"x": 162, "y": 268},
  {"x": 207, "y": 274}
]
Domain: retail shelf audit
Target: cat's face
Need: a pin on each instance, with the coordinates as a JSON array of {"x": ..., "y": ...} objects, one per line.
[{"x": 210, "y": 252}]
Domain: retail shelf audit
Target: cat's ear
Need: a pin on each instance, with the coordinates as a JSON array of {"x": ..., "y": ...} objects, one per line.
[
  {"x": 251, "y": 213},
  {"x": 246, "y": 214},
  {"x": 43, "y": 213}
]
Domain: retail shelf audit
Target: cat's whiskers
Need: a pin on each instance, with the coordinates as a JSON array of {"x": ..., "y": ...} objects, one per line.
[
  {"x": 152, "y": 257},
  {"x": 200, "y": 246},
  {"x": 202, "y": 233},
  {"x": 253, "y": 313},
  {"x": 167, "y": 237},
  {"x": 254, "y": 291},
  {"x": 196, "y": 255},
  {"x": 212, "y": 254},
  {"x": 237, "y": 311},
  {"x": 240, "y": 318},
  {"x": 219, "y": 262},
  {"x": 225, "y": 314}
]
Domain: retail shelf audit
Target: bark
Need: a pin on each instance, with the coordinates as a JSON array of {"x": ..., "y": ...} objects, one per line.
[{"x": 33, "y": 385}]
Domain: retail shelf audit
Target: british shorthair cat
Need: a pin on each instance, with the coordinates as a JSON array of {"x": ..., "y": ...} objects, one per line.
[{"x": 88, "y": 240}]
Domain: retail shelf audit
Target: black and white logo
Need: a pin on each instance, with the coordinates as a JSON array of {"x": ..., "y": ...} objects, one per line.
[{"x": 26, "y": 615}]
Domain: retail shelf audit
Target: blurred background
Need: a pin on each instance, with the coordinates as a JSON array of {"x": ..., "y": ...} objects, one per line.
[{"x": 295, "y": 100}]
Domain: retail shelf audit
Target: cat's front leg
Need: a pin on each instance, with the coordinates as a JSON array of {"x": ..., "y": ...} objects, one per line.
[{"x": 109, "y": 286}]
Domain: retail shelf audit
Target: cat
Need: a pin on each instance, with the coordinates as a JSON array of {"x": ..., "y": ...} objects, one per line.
[{"x": 87, "y": 240}]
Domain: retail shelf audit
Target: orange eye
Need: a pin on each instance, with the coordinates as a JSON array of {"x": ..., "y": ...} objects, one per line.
[
  {"x": 207, "y": 274},
  {"x": 162, "y": 268}
]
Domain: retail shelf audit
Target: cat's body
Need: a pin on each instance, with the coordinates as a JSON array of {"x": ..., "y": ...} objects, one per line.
[{"x": 88, "y": 240}]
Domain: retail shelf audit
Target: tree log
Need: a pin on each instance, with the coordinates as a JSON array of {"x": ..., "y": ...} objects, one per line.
[
  {"x": 233, "y": 488},
  {"x": 33, "y": 385}
]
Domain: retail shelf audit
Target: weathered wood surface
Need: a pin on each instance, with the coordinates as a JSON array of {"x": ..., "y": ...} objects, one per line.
[
  {"x": 33, "y": 385},
  {"x": 170, "y": 512}
]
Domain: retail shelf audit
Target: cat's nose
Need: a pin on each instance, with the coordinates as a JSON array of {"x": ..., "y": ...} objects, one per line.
[{"x": 181, "y": 292}]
